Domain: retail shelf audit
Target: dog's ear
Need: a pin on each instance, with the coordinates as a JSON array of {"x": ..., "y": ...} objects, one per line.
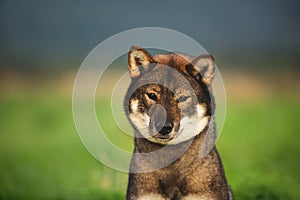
[
  {"x": 205, "y": 65},
  {"x": 139, "y": 60}
]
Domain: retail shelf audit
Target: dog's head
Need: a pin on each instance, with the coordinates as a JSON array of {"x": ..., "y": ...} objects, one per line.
[{"x": 169, "y": 100}]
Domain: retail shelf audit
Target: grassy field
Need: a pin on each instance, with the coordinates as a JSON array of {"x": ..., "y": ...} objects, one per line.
[{"x": 41, "y": 156}]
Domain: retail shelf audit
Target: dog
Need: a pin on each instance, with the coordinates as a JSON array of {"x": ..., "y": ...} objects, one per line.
[{"x": 170, "y": 106}]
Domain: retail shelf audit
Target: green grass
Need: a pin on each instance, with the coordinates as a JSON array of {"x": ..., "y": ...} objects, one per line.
[
  {"x": 41, "y": 156},
  {"x": 260, "y": 150}
]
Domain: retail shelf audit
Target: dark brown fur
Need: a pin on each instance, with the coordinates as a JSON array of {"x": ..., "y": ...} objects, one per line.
[{"x": 189, "y": 175}]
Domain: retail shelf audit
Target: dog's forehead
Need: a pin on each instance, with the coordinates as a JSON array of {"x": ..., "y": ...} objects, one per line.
[
  {"x": 166, "y": 76},
  {"x": 169, "y": 70}
]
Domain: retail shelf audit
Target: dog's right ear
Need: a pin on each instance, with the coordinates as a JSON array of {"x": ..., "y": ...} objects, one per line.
[{"x": 139, "y": 61}]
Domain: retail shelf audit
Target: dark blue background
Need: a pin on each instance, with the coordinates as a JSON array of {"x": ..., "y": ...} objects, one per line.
[{"x": 39, "y": 34}]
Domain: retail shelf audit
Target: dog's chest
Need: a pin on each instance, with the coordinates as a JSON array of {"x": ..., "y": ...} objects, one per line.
[{"x": 173, "y": 184}]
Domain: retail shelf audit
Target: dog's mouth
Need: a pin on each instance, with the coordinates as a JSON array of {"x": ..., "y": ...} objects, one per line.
[
  {"x": 164, "y": 137},
  {"x": 161, "y": 139}
]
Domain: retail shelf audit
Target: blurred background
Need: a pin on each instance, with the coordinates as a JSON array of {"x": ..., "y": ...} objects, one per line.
[{"x": 256, "y": 45}]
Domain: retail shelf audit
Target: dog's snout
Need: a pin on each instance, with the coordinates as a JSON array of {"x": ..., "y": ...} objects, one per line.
[{"x": 164, "y": 128}]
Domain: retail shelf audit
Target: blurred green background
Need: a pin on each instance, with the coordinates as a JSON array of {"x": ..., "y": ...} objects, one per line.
[{"x": 257, "y": 49}]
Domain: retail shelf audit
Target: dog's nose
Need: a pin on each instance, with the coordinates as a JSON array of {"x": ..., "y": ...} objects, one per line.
[{"x": 165, "y": 128}]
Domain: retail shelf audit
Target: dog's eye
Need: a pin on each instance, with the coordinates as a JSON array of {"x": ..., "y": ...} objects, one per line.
[
  {"x": 183, "y": 98},
  {"x": 152, "y": 96}
]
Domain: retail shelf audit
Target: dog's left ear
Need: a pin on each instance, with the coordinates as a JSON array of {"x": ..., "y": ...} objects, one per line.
[
  {"x": 139, "y": 61},
  {"x": 205, "y": 65}
]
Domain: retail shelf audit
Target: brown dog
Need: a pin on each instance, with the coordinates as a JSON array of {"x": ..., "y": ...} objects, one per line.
[{"x": 170, "y": 107}]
